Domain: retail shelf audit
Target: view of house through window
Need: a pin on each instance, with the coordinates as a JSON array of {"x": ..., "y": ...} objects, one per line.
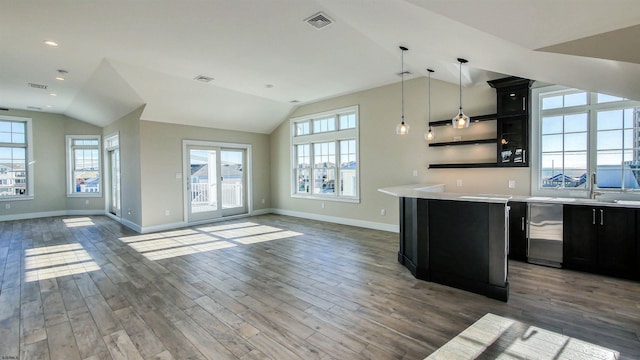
[
  {"x": 13, "y": 157},
  {"x": 581, "y": 133},
  {"x": 325, "y": 155},
  {"x": 84, "y": 165}
]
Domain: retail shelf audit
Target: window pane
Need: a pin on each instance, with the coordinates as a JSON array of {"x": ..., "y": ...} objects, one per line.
[
  {"x": 552, "y": 102},
  {"x": 5, "y": 126},
  {"x": 324, "y": 154},
  {"x": 348, "y": 182},
  {"x": 302, "y": 176},
  {"x": 552, "y": 125},
  {"x": 610, "y": 157},
  {"x": 324, "y": 181},
  {"x": 611, "y": 139},
  {"x": 609, "y": 119},
  {"x": 575, "y": 123},
  {"x": 628, "y": 139},
  {"x": 302, "y": 128},
  {"x": 628, "y": 118},
  {"x": 551, "y": 143},
  {"x": 575, "y": 99},
  {"x": 575, "y": 141},
  {"x": 604, "y": 98},
  {"x": 347, "y": 121}
]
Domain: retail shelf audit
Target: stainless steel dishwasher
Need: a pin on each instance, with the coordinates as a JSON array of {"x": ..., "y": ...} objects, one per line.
[{"x": 544, "y": 240}]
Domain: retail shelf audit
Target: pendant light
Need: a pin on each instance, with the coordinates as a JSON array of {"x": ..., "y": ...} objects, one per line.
[
  {"x": 402, "y": 128},
  {"x": 429, "y": 136},
  {"x": 461, "y": 120}
]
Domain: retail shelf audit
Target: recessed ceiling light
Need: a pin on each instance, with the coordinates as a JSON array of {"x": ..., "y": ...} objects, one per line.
[
  {"x": 51, "y": 43},
  {"x": 59, "y": 78},
  {"x": 53, "y": 94},
  {"x": 49, "y": 106}
]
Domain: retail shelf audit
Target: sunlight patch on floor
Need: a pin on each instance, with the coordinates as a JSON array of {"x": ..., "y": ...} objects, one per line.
[
  {"x": 78, "y": 222},
  {"x": 170, "y": 244},
  {"x": 59, "y": 260}
]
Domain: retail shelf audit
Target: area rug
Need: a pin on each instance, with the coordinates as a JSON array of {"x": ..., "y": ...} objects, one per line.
[{"x": 496, "y": 337}]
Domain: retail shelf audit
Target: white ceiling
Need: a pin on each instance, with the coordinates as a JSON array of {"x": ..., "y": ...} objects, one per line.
[{"x": 122, "y": 54}]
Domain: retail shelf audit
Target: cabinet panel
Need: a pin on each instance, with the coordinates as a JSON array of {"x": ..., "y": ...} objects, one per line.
[
  {"x": 513, "y": 101},
  {"x": 617, "y": 241},
  {"x": 601, "y": 239},
  {"x": 580, "y": 247},
  {"x": 517, "y": 231},
  {"x": 513, "y": 138}
]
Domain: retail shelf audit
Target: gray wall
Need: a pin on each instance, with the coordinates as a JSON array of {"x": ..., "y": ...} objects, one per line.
[
  {"x": 49, "y": 154},
  {"x": 387, "y": 159}
]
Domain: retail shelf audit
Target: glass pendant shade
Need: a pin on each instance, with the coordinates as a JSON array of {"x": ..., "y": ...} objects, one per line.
[
  {"x": 461, "y": 120},
  {"x": 429, "y": 136},
  {"x": 402, "y": 128}
]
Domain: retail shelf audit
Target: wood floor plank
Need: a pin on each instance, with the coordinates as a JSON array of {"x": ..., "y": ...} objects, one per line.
[
  {"x": 323, "y": 291},
  {"x": 62, "y": 344},
  {"x": 141, "y": 334},
  {"x": 87, "y": 335}
]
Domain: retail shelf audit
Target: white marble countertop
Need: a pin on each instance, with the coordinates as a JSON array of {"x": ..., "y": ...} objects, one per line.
[{"x": 437, "y": 192}]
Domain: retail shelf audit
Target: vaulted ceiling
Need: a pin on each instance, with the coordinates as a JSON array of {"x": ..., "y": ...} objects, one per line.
[{"x": 265, "y": 59}]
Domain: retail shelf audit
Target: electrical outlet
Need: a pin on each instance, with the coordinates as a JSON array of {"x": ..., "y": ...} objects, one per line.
[
  {"x": 415, "y": 172},
  {"x": 512, "y": 184},
  {"x": 167, "y": 213},
  {"x": 86, "y": 202},
  {"x": 459, "y": 182},
  {"x": 7, "y": 206},
  {"x": 383, "y": 212},
  {"x": 263, "y": 201},
  {"x": 322, "y": 205}
]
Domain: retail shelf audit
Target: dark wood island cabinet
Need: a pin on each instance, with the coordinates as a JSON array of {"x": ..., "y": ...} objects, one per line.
[{"x": 456, "y": 243}]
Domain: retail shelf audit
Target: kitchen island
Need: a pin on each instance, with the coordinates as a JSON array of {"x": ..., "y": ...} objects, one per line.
[{"x": 454, "y": 239}]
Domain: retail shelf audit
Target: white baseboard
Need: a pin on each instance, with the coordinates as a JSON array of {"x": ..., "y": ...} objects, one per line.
[
  {"x": 164, "y": 227},
  {"x": 50, "y": 214},
  {"x": 339, "y": 220}
]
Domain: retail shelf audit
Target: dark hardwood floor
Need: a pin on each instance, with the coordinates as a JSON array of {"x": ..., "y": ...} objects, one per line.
[{"x": 266, "y": 287}]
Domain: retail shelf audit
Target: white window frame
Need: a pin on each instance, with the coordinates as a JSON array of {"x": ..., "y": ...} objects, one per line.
[
  {"x": 326, "y": 136},
  {"x": 29, "y": 160},
  {"x": 591, "y": 108},
  {"x": 70, "y": 165}
]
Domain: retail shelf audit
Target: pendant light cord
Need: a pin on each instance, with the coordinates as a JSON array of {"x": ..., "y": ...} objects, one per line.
[
  {"x": 402, "y": 77},
  {"x": 460, "y": 87},
  {"x": 429, "y": 70}
]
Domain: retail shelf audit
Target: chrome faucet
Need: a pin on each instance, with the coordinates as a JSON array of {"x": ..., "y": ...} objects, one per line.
[{"x": 592, "y": 187}]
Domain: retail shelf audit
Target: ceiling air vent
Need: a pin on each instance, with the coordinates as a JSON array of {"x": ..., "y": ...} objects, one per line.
[
  {"x": 203, "y": 78},
  {"x": 319, "y": 21},
  {"x": 33, "y": 108},
  {"x": 38, "y": 86}
]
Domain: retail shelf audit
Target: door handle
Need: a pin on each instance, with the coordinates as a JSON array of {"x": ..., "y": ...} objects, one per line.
[
  {"x": 594, "y": 216},
  {"x": 601, "y": 217},
  {"x": 522, "y": 225},
  {"x": 523, "y": 104}
]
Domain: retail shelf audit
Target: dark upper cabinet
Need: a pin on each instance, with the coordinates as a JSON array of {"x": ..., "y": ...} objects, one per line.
[
  {"x": 601, "y": 239},
  {"x": 513, "y": 100},
  {"x": 517, "y": 231},
  {"x": 512, "y": 120}
]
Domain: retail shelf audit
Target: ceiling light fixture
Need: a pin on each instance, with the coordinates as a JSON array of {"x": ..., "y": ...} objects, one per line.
[
  {"x": 461, "y": 120},
  {"x": 53, "y": 94},
  {"x": 60, "y": 78},
  {"x": 51, "y": 43},
  {"x": 429, "y": 136},
  {"x": 402, "y": 128}
]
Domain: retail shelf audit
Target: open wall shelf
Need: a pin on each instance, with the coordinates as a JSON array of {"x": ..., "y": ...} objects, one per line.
[
  {"x": 474, "y": 119},
  {"x": 463, "y": 166},
  {"x": 465, "y": 142}
]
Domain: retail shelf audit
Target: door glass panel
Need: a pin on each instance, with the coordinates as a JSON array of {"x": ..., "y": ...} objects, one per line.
[
  {"x": 114, "y": 163},
  {"x": 232, "y": 173},
  {"x": 203, "y": 180}
]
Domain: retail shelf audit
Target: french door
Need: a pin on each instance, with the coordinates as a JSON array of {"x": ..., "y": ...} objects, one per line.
[{"x": 215, "y": 182}]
